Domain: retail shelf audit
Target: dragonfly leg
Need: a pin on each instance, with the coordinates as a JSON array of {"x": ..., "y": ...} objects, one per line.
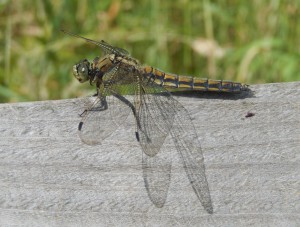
[
  {"x": 132, "y": 107},
  {"x": 103, "y": 104},
  {"x": 84, "y": 112}
]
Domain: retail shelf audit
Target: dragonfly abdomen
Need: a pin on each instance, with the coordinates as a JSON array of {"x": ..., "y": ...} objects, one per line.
[{"x": 180, "y": 82}]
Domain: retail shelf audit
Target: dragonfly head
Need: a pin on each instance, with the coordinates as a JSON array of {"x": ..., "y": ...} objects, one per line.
[{"x": 81, "y": 71}]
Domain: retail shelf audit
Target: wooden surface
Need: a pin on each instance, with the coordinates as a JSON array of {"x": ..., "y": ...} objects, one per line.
[{"x": 48, "y": 177}]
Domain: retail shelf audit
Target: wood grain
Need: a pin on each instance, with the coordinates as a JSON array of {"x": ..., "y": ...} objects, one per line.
[{"x": 48, "y": 177}]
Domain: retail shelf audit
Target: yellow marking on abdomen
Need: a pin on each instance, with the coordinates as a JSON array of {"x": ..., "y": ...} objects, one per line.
[{"x": 182, "y": 83}]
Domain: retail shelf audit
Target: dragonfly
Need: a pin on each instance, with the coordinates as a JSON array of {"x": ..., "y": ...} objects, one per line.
[{"x": 124, "y": 86}]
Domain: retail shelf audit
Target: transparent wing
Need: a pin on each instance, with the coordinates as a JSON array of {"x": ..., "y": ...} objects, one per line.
[
  {"x": 155, "y": 119},
  {"x": 157, "y": 175},
  {"x": 188, "y": 146},
  {"x": 156, "y": 116},
  {"x": 161, "y": 114},
  {"x": 107, "y": 49},
  {"x": 105, "y": 113},
  {"x": 100, "y": 119},
  {"x": 153, "y": 125}
]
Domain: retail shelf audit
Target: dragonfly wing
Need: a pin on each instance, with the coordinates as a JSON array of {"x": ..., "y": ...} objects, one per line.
[
  {"x": 156, "y": 116},
  {"x": 154, "y": 121},
  {"x": 157, "y": 175},
  {"x": 106, "y": 48},
  {"x": 160, "y": 115},
  {"x": 101, "y": 119},
  {"x": 188, "y": 146},
  {"x": 106, "y": 113}
]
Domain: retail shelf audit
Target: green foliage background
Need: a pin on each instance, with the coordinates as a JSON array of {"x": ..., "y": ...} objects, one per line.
[{"x": 247, "y": 41}]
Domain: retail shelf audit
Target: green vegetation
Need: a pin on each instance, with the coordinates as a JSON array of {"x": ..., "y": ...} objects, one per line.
[{"x": 246, "y": 41}]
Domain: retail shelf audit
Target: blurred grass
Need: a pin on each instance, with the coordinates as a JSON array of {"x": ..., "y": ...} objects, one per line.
[{"x": 246, "y": 41}]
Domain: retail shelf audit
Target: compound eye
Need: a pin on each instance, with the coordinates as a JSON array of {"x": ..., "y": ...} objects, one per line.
[{"x": 81, "y": 71}]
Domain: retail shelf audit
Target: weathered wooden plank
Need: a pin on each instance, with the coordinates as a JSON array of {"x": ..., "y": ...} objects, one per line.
[{"x": 48, "y": 177}]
